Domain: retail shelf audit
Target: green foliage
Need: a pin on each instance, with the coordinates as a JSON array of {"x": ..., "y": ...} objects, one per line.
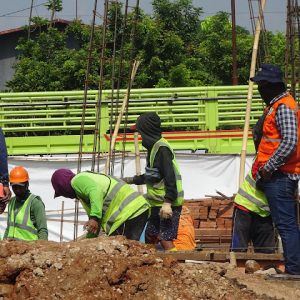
[
  {"x": 55, "y": 5},
  {"x": 175, "y": 47}
]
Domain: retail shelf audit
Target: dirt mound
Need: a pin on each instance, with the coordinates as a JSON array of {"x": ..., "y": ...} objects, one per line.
[{"x": 107, "y": 268}]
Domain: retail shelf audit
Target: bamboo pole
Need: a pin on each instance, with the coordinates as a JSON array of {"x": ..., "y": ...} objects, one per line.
[
  {"x": 61, "y": 221},
  {"x": 137, "y": 160},
  {"x": 135, "y": 66},
  {"x": 250, "y": 93}
]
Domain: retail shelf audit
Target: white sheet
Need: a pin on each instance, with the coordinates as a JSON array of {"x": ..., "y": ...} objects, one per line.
[{"x": 202, "y": 175}]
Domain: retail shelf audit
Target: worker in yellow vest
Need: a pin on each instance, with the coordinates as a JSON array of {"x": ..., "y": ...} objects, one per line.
[
  {"x": 109, "y": 202},
  {"x": 26, "y": 219},
  {"x": 252, "y": 220},
  {"x": 163, "y": 180}
]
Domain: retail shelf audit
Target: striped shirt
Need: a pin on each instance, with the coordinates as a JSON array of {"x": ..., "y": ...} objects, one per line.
[{"x": 287, "y": 125}]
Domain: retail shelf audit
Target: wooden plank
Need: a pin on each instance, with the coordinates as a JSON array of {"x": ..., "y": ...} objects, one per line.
[{"x": 212, "y": 255}]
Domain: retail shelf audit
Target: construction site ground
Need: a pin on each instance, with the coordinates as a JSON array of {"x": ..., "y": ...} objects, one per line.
[{"x": 115, "y": 268}]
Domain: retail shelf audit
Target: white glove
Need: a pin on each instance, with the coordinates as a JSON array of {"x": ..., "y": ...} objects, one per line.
[{"x": 166, "y": 211}]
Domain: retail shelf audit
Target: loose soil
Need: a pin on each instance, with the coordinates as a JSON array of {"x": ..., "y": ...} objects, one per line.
[{"x": 111, "y": 268}]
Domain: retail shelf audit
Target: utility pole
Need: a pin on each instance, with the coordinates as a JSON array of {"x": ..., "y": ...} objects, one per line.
[
  {"x": 29, "y": 21},
  {"x": 76, "y": 10},
  {"x": 292, "y": 52},
  {"x": 234, "y": 52}
]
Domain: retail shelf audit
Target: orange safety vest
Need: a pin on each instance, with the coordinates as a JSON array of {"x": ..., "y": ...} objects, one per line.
[
  {"x": 271, "y": 138},
  {"x": 186, "y": 231}
]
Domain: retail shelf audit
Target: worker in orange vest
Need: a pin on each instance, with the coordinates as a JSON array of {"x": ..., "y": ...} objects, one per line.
[{"x": 276, "y": 168}]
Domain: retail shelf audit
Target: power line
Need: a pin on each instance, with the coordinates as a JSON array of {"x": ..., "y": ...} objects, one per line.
[{"x": 14, "y": 12}]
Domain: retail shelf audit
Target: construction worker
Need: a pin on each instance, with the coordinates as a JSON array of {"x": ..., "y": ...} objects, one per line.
[
  {"x": 109, "y": 202},
  {"x": 252, "y": 220},
  {"x": 6, "y": 195},
  {"x": 163, "y": 180},
  {"x": 276, "y": 168},
  {"x": 26, "y": 212},
  {"x": 186, "y": 231}
]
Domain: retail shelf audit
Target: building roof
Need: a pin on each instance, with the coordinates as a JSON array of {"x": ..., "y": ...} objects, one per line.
[{"x": 18, "y": 29}]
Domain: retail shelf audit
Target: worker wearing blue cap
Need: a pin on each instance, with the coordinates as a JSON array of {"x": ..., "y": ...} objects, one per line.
[{"x": 276, "y": 168}]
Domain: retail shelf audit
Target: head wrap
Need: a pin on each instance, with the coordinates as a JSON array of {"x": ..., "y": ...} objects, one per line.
[
  {"x": 148, "y": 125},
  {"x": 61, "y": 182}
]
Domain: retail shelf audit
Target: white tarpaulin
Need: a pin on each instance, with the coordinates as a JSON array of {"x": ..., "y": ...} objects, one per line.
[{"x": 202, "y": 174}]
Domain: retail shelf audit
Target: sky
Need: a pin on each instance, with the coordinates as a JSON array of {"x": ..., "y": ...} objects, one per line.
[{"x": 15, "y": 13}]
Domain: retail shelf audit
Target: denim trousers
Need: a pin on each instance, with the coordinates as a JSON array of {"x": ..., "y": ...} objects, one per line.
[{"x": 280, "y": 192}]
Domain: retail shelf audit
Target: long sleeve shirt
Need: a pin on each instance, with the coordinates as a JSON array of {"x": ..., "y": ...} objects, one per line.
[
  {"x": 3, "y": 160},
  {"x": 37, "y": 216},
  {"x": 287, "y": 124},
  {"x": 163, "y": 162},
  {"x": 91, "y": 188}
]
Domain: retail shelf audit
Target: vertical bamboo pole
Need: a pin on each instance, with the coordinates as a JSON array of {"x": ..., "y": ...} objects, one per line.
[
  {"x": 123, "y": 108},
  {"x": 250, "y": 93},
  {"x": 137, "y": 159},
  {"x": 61, "y": 221}
]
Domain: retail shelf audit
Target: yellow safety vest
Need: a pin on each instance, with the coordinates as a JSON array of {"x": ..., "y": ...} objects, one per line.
[
  {"x": 251, "y": 198},
  {"x": 156, "y": 192}
]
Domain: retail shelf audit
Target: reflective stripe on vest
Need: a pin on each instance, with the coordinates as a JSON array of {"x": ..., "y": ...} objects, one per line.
[
  {"x": 251, "y": 198},
  {"x": 24, "y": 230},
  {"x": 156, "y": 192},
  {"x": 115, "y": 205}
]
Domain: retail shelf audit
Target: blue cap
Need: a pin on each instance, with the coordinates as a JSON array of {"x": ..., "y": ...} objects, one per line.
[{"x": 268, "y": 72}]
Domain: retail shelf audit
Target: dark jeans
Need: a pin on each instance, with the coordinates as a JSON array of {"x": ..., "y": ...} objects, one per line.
[
  {"x": 280, "y": 192},
  {"x": 133, "y": 228},
  {"x": 249, "y": 226}
]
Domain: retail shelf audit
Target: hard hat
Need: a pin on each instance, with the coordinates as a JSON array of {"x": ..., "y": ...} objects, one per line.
[{"x": 18, "y": 175}]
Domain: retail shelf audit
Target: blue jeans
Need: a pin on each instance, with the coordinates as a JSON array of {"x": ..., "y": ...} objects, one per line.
[{"x": 280, "y": 192}]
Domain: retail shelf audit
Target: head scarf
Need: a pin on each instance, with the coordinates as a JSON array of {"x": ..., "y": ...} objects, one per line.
[
  {"x": 148, "y": 126},
  {"x": 270, "y": 90},
  {"x": 61, "y": 182}
]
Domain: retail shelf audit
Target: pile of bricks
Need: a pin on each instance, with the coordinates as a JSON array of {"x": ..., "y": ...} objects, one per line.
[{"x": 212, "y": 219}]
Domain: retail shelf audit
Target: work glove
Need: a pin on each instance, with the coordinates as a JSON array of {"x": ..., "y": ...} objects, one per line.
[
  {"x": 128, "y": 180},
  {"x": 166, "y": 211}
]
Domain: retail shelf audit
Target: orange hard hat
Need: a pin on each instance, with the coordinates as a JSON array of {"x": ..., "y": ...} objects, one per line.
[{"x": 18, "y": 175}]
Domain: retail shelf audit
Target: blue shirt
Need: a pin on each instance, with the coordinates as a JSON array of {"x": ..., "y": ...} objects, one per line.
[{"x": 3, "y": 160}]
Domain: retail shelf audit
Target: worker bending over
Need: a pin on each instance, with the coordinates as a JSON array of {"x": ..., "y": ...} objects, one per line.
[
  {"x": 163, "y": 180},
  {"x": 109, "y": 202},
  {"x": 26, "y": 212}
]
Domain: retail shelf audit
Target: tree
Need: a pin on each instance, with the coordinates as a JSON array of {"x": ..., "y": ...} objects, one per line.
[
  {"x": 215, "y": 49},
  {"x": 175, "y": 47},
  {"x": 54, "y": 6}
]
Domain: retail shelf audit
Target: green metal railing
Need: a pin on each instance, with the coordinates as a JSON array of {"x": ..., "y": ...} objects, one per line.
[{"x": 197, "y": 118}]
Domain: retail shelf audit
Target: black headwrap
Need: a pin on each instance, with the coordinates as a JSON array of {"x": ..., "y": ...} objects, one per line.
[
  {"x": 270, "y": 90},
  {"x": 148, "y": 125}
]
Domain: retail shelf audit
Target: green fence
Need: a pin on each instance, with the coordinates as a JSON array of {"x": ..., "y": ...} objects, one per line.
[{"x": 210, "y": 118}]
